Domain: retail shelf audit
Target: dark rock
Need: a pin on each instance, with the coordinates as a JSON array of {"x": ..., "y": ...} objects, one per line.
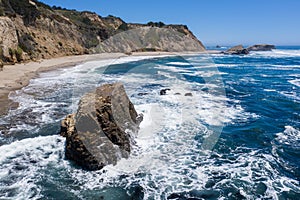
[
  {"x": 164, "y": 91},
  {"x": 237, "y": 50},
  {"x": 261, "y": 47},
  {"x": 142, "y": 93},
  {"x": 174, "y": 196},
  {"x": 177, "y": 93},
  {"x": 188, "y": 94},
  {"x": 136, "y": 192},
  {"x": 210, "y": 184},
  {"x": 261, "y": 188},
  {"x": 195, "y": 195},
  {"x": 205, "y": 194},
  {"x": 100, "y": 133},
  {"x": 66, "y": 124},
  {"x": 218, "y": 46}
]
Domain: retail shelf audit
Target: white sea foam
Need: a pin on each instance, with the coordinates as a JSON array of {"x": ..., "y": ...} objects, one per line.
[
  {"x": 91, "y": 65},
  {"x": 166, "y": 157},
  {"x": 161, "y": 168},
  {"x": 295, "y": 75},
  {"x": 295, "y": 82},
  {"x": 166, "y": 173},
  {"x": 179, "y": 63},
  {"x": 38, "y": 102},
  {"x": 294, "y": 95},
  {"x": 21, "y": 163},
  {"x": 227, "y": 65},
  {"x": 294, "y": 53},
  {"x": 290, "y": 136},
  {"x": 166, "y": 145},
  {"x": 172, "y": 69},
  {"x": 197, "y": 71},
  {"x": 206, "y": 74},
  {"x": 284, "y": 143},
  {"x": 270, "y": 90},
  {"x": 276, "y": 53}
]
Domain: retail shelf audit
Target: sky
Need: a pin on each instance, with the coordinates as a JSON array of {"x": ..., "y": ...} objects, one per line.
[{"x": 214, "y": 22}]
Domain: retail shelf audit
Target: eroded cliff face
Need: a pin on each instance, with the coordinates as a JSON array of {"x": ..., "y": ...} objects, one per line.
[
  {"x": 30, "y": 30},
  {"x": 8, "y": 36}
]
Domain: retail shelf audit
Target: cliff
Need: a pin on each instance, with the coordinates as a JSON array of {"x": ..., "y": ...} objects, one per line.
[{"x": 31, "y": 30}]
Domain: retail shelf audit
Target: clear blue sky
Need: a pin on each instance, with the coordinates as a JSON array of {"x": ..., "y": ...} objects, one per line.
[{"x": 223, "y": 22}]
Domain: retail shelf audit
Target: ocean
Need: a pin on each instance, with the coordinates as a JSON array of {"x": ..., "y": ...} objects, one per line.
[{"x": 236, "y": 136}]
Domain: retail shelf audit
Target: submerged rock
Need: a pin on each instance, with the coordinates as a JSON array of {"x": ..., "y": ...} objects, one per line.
[
  {"x": 142, "y": 93},
  {"x": 261, "y": 47},
  {"x": 189, "y": 94},
  {"x": 196, "y": 194},
  {"x": 237, "y": 50},
  {"x": 100, "y": 133},
  {"x": 164, "y": 91}
]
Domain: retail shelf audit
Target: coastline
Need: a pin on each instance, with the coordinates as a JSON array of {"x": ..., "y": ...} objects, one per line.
[{"x": 15, "y": 77}]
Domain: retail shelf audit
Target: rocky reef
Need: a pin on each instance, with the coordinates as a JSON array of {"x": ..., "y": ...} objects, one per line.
[
  {"x": 261, "y": 47},
  {"x": 31, "y": 30},
  {"x": 237, "y": 50},
  {"x": 102, "y": 130},
  {"x": 240, "y": 50}
]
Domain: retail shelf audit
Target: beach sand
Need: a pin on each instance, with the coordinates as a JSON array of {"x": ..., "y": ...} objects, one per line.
[{"x": 14, "y": 77}]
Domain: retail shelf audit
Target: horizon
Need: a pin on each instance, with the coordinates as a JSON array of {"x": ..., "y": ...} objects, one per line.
[{"x": 226, "y": 23}]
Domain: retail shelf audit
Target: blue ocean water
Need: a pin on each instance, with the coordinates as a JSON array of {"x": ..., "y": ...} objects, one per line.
[{"x": 236, "y": 137}]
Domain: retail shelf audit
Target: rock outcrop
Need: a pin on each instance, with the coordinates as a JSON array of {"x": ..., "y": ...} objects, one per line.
[
  {"x": 164, "y": 91},
  {"x": 31, "y": 30},
  {"x": 189, "y": 94},
  {"x": 261, "y": 47},
  {"x": 237, "y": 50},
  {"x": 101, "y": 132}
]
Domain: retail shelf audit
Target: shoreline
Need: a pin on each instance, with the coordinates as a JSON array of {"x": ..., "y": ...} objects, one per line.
[{"x": 15, "y": 77}]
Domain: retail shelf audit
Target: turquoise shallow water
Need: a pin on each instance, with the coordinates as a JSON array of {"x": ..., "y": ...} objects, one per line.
[{"x": 237, "y": 137}]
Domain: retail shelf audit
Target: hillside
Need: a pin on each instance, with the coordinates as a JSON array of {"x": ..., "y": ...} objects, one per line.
[{"x": 31, "y": 30}]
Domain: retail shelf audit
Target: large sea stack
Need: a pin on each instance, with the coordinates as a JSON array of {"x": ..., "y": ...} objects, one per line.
[{"x": 101, "y": 132}]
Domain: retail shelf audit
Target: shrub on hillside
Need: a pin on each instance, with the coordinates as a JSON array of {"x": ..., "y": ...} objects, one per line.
[
  {"x": 19, "y": 54},
  {"x": 156, "y": 24}
]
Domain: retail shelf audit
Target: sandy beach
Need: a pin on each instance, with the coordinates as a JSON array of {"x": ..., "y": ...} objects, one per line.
[{"x": 14, "y": 77}]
